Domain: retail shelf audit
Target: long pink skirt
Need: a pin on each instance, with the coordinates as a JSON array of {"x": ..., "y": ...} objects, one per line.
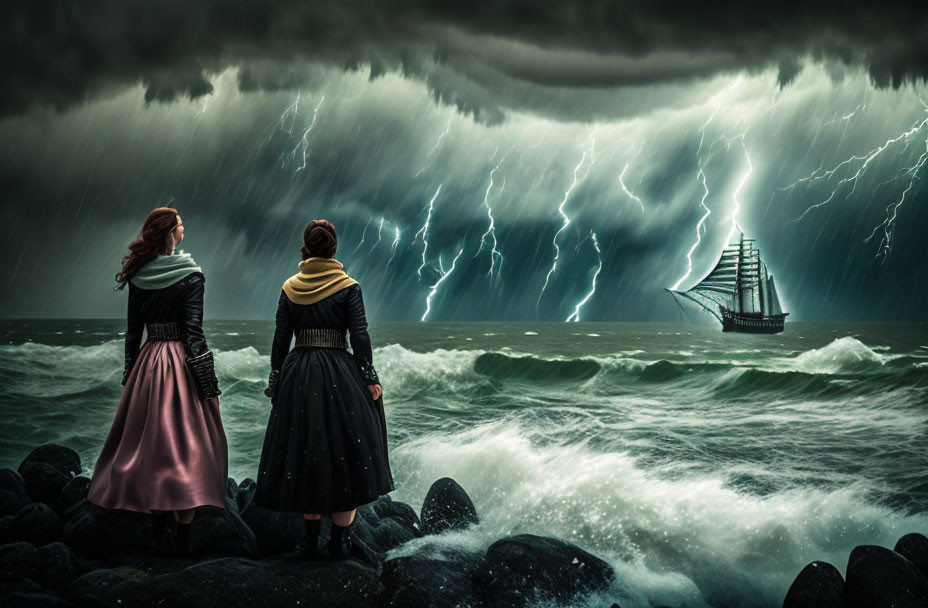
[{"x": 166, "y": 449}]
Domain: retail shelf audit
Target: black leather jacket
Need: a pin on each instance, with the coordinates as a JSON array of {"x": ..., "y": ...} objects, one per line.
[
  {"x": 343, "y": 310},
  {"x": 180, "y": 303}
]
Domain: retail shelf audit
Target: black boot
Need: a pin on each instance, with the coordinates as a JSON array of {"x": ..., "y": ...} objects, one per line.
[
  {"x": 182, "y": 546},
  {"x": 162, "y": 533},
  {"x": 310, "y": 548},
  {"x": 336, "y": 545}
]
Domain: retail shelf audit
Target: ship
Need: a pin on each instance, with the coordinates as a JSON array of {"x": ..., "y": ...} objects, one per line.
[{"x": 739, "y": 291}]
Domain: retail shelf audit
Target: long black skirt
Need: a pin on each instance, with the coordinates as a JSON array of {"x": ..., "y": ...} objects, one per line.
[{"x": 325, "y": 449}]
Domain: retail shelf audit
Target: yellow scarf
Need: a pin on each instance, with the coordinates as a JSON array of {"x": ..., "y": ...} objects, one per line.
[{"x": 318, "y": 279}]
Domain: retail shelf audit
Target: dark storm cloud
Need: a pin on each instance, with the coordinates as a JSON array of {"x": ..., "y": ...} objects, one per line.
[
  {"x": 77, "y": 184},
  {"x": 483, "y": 57}
]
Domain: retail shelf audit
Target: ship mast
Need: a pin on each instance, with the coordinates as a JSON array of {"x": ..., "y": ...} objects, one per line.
[
  {"x": 720, "y": 287},
  {"x": 738, "y": 284}
]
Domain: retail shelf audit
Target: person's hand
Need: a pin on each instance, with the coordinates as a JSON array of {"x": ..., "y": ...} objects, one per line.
[{"x": 376, "y": 391}]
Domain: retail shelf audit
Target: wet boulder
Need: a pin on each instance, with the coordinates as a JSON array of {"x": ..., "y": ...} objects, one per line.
[
  {"x": 6, "y": 527},
  {"x": 232, "y": 490},
  {"x": 878, "y": 577},
  {"x": 385, "y": 507},
  {"x": 64, "y": 459},
  {"x": 433, "y": 578},
  {"x": 13, "y": 495},
  {"x": 58, "y": 565},
  {"x": 97, "y": 531},
  {"x": 11, "y": 502},
  {"x": 275, "y": 532},
  {"x": 72, "y": 493},
  {"x": 447, "y": 507},
  {"x": 35, "y": 523},
  {"x": 391, "y": 533},
  {"x": 245, "y": 493},
  {"x": 526, "y": 569},
  {"x": 18, "y": 560},
  {"x": 914, "y": 547},
  {"x": 37, "y": 599},
  {"x": 222, "y": 531},
  {"x": 818, "y": 585},
  {"x": 44, "y": 482},
  {"x": 232, "y": 582}
]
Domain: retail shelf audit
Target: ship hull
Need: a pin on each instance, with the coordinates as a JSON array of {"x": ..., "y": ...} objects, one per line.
[{"x": 752, "y": 324}]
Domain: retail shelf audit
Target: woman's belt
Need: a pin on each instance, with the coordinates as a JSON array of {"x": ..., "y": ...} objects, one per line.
[
  {"x": 165, "y": 332},
  {"x": 321, "y": 338}
]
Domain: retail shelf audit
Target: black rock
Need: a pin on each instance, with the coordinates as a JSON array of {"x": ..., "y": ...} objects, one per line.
[
  {"x": 447, "y": 507},
  {"x": 233, "y": 582},
  {"x": 528, "y": 568},
  {"x": 246, "y": 491},
  {"x": 97, "y": 531},
  {"x": 59, "y": 565},
  {"x": 11, "y": 481},
  {"x": 232, "y": 490},
  {"x": 72, "y": 493},
  {"x": 35, "y": 523},
  {"x": 44, "y": 482},
  {"x": 878, "y": 577},
  {"x": 6, "y": 526},
  {"x": 222, "y": 531},
  {"x": 914, "y": 547},
  {"x": 35, "y": 599},
  {"x": 428, "y": 578},
  {"x": 367, "y": 514},
  {"x": 385, "y": 507},
  {"x": 18, "y": 560},
  {"x": 275, "y": 532},
  {"x": 818, "y": 585},
  {"x": 391, "y": 533},
  {"x": 11, "y": 502},
  {"x": 64, "y": 459}
]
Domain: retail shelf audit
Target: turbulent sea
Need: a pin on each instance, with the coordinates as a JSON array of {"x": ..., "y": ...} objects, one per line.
[{"x": 707, "y": 468}]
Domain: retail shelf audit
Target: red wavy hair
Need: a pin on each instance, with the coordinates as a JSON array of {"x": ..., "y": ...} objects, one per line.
[{"x": 151, "y": 242}]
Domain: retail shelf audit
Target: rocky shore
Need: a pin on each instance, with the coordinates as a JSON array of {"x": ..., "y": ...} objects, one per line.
[{"x": 57, "y": 549}]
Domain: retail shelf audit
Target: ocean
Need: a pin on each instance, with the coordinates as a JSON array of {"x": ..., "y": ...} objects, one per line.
[{"x": 707, "y": 468}]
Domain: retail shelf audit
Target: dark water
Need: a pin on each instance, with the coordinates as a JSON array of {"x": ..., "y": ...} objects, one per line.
[{"x": 708, "y": 468}]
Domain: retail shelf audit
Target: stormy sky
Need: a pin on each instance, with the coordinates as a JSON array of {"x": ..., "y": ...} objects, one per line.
[{"x": 481, "y": 161}]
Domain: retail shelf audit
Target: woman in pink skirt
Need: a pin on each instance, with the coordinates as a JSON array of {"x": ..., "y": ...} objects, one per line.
[{"x": 166, "y": 451}]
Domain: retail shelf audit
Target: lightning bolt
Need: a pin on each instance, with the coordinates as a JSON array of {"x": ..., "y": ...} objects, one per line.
[
  {"x": 441, "y": 279},
  {"x": 744, "y": 179},
  {"x": 575, "y": 315},
  {"x": 363, "y": 235},
  {"x": 396, "y": 240},
  {"x": 491, "y": 230},
  {"x": 867, "y": 158},
  {"x": 888, "y": 224},
  {"x": 566, "y": 218},
  {"x": 424, "y": 231},
  {"x": 292, "y": 110},
  {"x": 303, "y": 145},
  {"x": 701, "y": 177},
  {"x": 379, "y": 236},
  {"x": 435, "y": 147},
  {"x": 622, "y": 178}
]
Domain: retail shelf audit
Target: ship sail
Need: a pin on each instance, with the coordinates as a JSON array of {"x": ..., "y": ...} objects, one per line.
[{"x": 739, "y": 290}]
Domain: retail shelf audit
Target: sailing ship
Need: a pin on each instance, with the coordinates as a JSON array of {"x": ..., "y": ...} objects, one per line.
[{"x": 739, "y": 291}]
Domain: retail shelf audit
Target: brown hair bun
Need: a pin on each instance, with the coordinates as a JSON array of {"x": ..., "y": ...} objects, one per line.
[{"x": 319, "y": 240}]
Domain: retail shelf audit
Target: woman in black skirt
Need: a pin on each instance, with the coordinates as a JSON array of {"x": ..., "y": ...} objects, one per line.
[{"x": 325, "y": 450}]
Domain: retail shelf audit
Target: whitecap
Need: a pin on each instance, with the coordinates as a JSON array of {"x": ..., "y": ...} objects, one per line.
[{"x": 841, "y": 355}]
